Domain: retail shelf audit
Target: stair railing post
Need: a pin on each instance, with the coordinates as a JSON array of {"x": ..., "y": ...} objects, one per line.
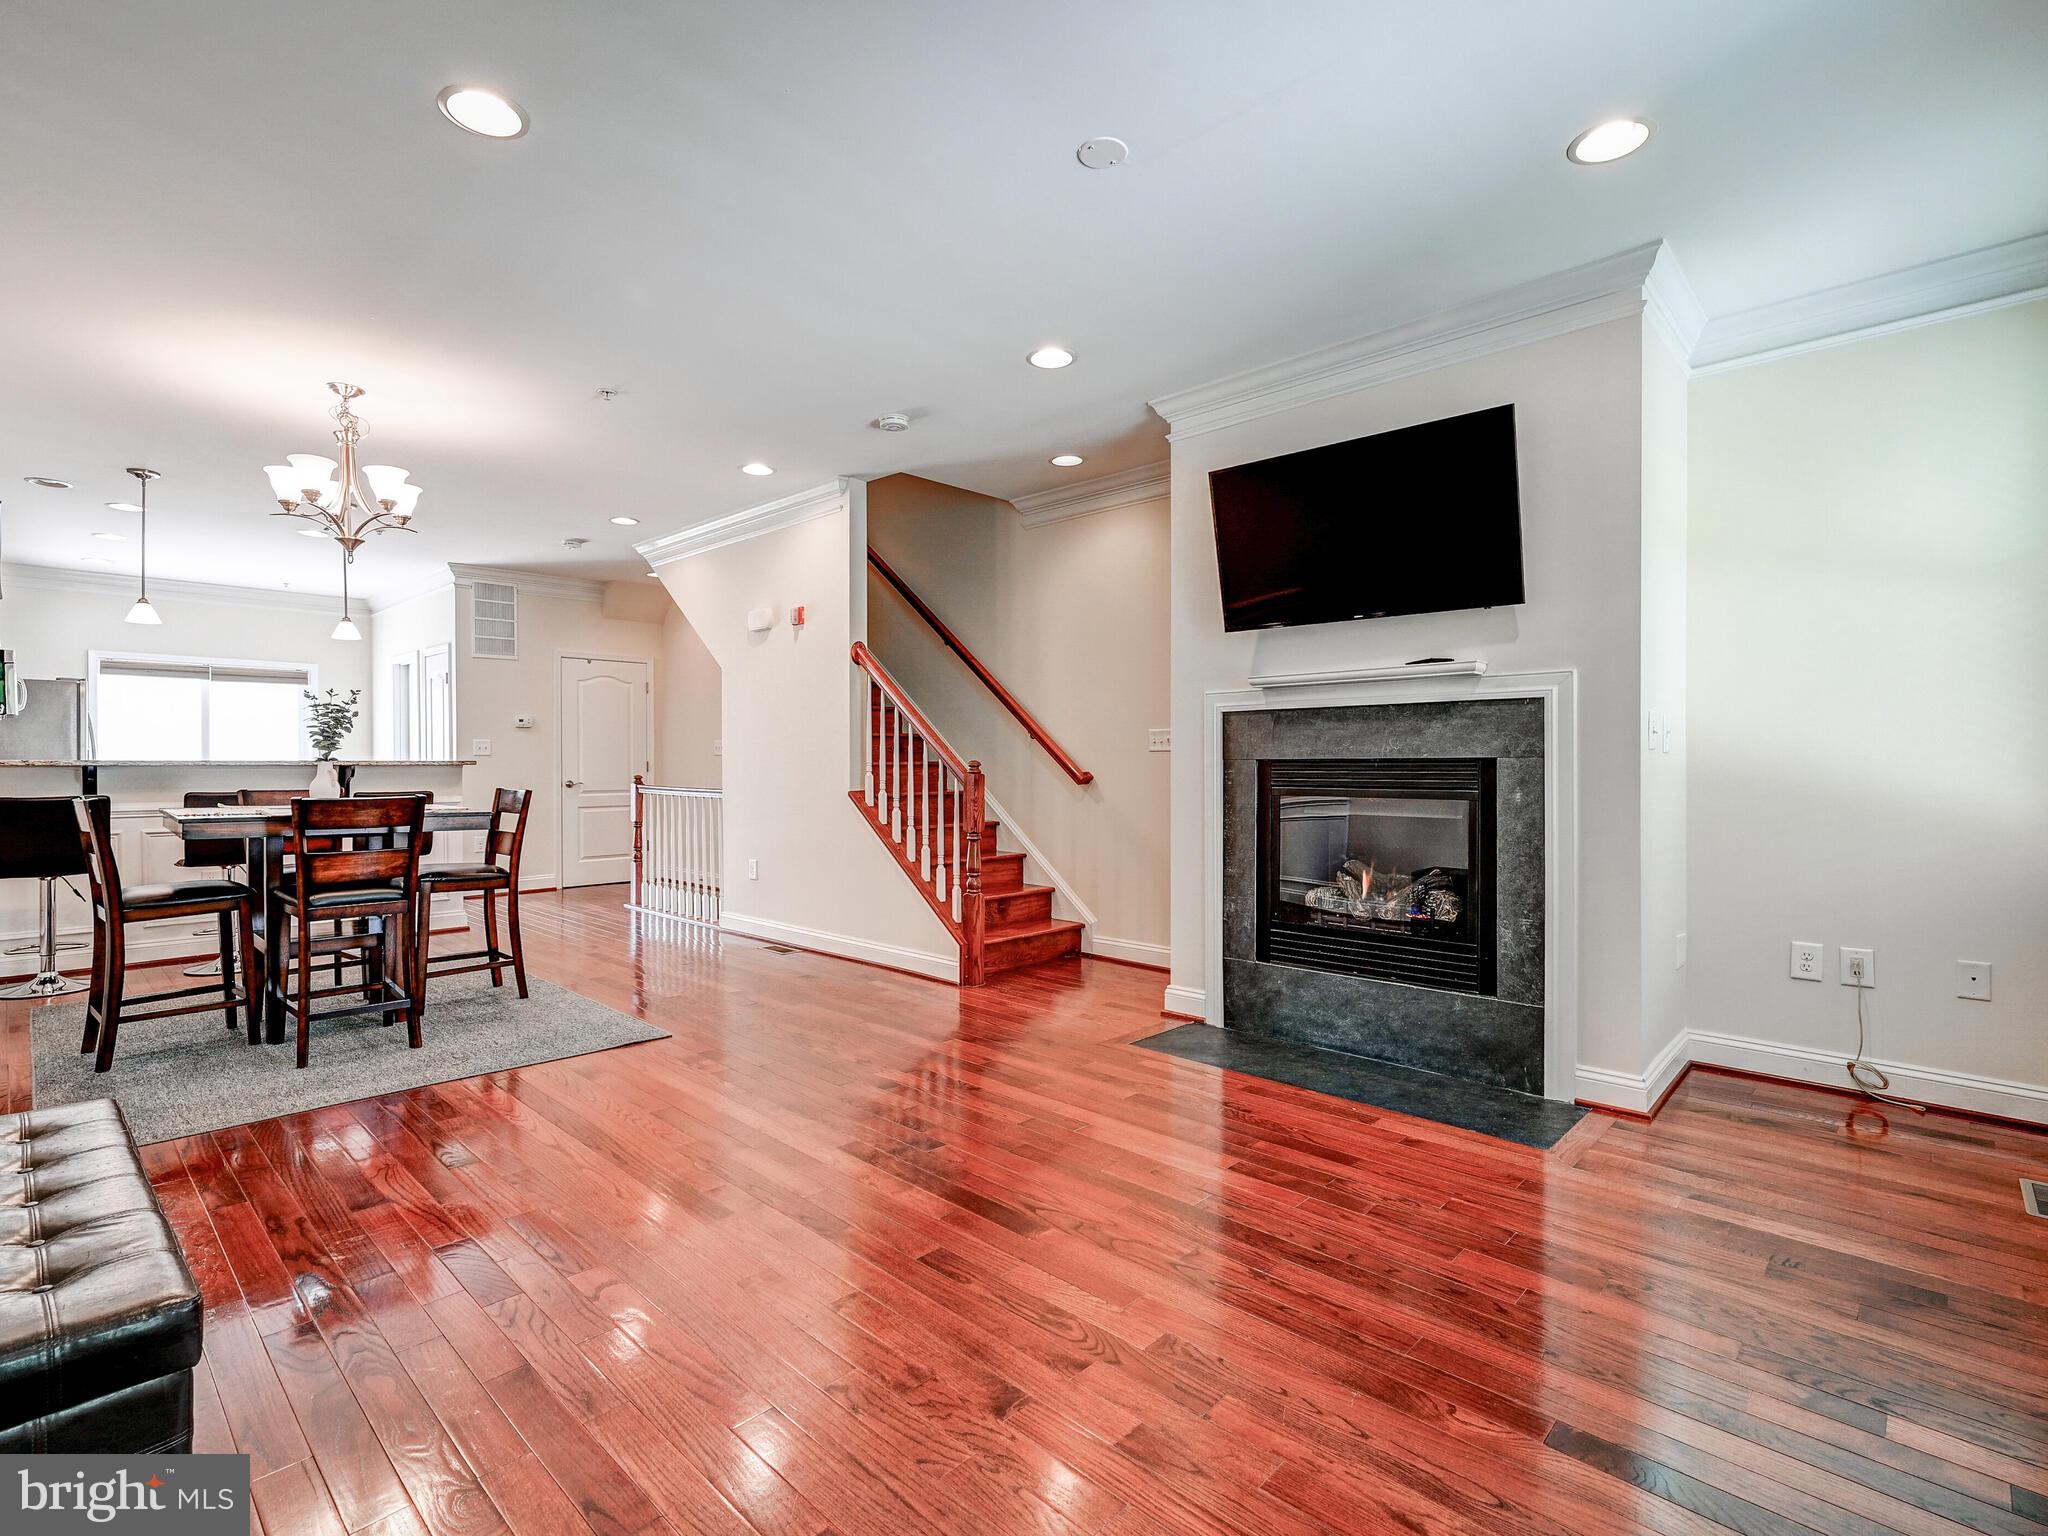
[
  {"x": 971, "y": 920},
  {"x": 637, "y": 780}
]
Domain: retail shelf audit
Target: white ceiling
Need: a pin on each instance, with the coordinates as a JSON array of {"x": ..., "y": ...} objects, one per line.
[{"x": 766, "y": 223}]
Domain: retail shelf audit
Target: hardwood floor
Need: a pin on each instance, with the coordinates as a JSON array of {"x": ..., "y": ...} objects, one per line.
[{"x": 859, "y": 1253}]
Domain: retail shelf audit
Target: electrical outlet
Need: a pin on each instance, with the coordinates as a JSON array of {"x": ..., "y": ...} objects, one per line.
[
  {"x": 1973, "y": 980},
  {"x": 1806, "y": 961},
  {"x": 1160, "y": 739},
  {"x": 1859, "y": 967},
  {"x": 718, "y": 749},
  {"x": 753, "y": 869},
  {"x": 1678, "y": 959}
]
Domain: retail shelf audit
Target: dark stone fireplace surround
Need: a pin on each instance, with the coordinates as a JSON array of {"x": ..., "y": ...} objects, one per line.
[{"x": 1495, "y": 1040}]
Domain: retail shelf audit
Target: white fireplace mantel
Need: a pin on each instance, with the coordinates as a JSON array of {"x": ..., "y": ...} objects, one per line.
[{"x": 1439, "y": 683}]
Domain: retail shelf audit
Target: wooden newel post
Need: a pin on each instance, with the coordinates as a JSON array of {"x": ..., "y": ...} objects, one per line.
[
  {"x": 971, "y": 920},
  {"x": 638, "y": 780}
]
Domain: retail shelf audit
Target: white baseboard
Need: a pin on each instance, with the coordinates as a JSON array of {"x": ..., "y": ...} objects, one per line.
[
  {"x": 1628, "y": 1091},
  {"x": 917, "y": 961},
  {"x": 1136, "y": 951},
  {"x": 1191, "y": 1001},
  {"x": 1928, "y": 1085}
]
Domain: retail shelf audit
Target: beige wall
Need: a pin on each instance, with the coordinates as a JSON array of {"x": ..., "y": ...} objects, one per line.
[
  {"x": 1072, "y": 618},
  {"x": 490, "y": 692},
  {"x": 1664, "y": 768},
  {"x": 1869, "y": 638},
  {"x": 823, "y": 879}
]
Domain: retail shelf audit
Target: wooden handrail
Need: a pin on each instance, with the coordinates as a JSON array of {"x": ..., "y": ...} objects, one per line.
[
  {"x": 1008, "y": 700},
  {"x": 865, "y": 660}
]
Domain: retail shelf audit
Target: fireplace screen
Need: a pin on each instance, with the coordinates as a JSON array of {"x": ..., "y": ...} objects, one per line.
[{"x": 1380, "y": 868}]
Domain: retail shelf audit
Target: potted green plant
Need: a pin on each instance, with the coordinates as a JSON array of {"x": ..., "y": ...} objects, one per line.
[{"x": 328, "y": 722}]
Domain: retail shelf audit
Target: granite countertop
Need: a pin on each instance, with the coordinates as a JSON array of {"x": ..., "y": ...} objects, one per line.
[{"x": 268, "y": 762}]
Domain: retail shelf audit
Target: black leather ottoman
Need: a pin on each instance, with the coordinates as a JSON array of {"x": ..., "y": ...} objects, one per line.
[{"x": 99, "y": 1318}]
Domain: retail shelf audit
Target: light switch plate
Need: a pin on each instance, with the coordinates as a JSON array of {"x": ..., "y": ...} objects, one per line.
[
  {"x": 1655, "y": 738},
  {"x": 1678, "y": 959},
  {"x": 1807, "y": 963},
  {"x": 1159, "y": 739},
  {"x": 1973, "y": 980},
  {"x": 1848, "y": 959},
  {"x": 481, "y": 747}
]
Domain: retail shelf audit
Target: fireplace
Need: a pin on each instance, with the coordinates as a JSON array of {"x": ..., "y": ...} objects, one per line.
[{"x": 1380, "y": 867}]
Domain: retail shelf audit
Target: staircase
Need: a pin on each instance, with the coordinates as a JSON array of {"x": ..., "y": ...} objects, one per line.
[{"x": 929, "y": 808}]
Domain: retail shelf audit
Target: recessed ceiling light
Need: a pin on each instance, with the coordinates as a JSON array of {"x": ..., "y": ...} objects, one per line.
[
  {"x": 112, "y": 538},
  {"x": 1066, "y": 460},
  {"x": 756, "y": 468},
  {"x": 47, "y": 483},
  {"x": 1609, "y": 141},
  {"x": 627, "y": 522},
  {"x": 122, "y": 506},
  {"x": 312, "y": 533},
  {"x": 483, "y": 112},
  {"x": 1050, "y": 357}
]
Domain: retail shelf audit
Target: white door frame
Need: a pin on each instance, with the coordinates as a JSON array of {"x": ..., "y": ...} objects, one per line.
[{"x": 562, "y": 740}]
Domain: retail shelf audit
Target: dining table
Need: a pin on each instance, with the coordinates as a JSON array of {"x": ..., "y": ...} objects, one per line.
[{"x": 263, "y": 830}]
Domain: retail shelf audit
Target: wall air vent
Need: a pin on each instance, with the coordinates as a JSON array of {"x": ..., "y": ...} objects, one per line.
[{"x": 494, "y": 620}]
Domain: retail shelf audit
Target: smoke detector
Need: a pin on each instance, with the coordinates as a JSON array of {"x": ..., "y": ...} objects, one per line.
[
  {"x": 1104, "y": 153},
  {"x": 895, "y": 421},
  {"x": 574, "y": 543}
]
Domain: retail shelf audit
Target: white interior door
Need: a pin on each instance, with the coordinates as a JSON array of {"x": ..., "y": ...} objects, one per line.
[{"x": 605, "y": 706}]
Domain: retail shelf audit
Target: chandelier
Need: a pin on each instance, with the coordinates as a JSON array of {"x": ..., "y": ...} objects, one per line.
[{"x": 328, "y": 495}]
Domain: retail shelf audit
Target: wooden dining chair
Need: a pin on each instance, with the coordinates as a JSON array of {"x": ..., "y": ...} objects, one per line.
[
  {"x": 220, "y": 854},
  {"x": 352, "y": 858},
  {"x": 115, "y": 906},
  {"x": 505, "y": 840}
]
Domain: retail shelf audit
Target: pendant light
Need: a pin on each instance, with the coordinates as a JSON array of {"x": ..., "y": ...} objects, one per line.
[
  {"x": 346, "y": 629},
  {"x": 143, "y": 612}
]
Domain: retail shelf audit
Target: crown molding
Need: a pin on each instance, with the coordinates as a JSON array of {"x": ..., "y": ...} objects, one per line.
[
  {"x": 1671, "y": 306},
  {"x": 444, "y": 582},
  {"x": 1971, "y": 283},
  {"x": 1610, "y": 289},
  {"x": 748, "y": 523},
  {"x": 580, "y": 588},
  {"x": 54, "y": 578},
  {"x": 1084, "y": 498}
]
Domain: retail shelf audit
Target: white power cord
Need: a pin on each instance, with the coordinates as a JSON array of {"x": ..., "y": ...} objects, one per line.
[{"x": 1870, "y": 1079}]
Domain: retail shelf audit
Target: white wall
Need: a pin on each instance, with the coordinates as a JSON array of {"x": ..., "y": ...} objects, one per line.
[
  {"x": 1665, "y": 769},
  {"x": 51, "y": 619},
  {"x": 1579, "y": 408},
  {"x": 1869, "y": 637},
  {"x": 787, "y": 711},
  {"x": 410, "y": 627},
  {"x": 491, "y": 691},
  {"x": 1071, "y": 616}
]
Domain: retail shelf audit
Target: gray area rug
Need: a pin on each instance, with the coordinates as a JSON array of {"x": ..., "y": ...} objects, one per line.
[{"x": 182, "y": 1076}]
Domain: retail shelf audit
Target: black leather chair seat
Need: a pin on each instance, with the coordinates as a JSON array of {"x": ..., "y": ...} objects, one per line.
[
  {"x": 136, "y": 897},
  {"x": 466, "y": 874},
  {"x": 99, "y": 1317},
  {"x": 355, "y": 896}
]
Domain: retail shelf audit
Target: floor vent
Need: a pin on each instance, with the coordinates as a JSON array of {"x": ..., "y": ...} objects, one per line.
[
  {"x": 2034, "y": 1195},
  {"x": 784, "y": 949}
]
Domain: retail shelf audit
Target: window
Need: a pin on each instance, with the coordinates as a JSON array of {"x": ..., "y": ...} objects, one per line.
[{"x": 180, "y": 708}]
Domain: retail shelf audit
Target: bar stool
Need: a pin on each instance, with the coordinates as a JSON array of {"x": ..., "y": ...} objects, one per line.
[
  {"x": 115, "y": 906},
  {"x": 489, "y": 878},
  {"x": 377, "y": 880},
  {"x": 39, "y": 841},
  {"x": 216, "y": 853}
]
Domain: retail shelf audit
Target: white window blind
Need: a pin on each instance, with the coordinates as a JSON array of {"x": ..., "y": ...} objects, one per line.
[
  {"x": 494, "y": 619},
  {"x": 180, "y": 709}
]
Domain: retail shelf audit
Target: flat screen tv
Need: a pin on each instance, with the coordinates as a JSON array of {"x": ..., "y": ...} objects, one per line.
[{"x": 1419, "y": 520}]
